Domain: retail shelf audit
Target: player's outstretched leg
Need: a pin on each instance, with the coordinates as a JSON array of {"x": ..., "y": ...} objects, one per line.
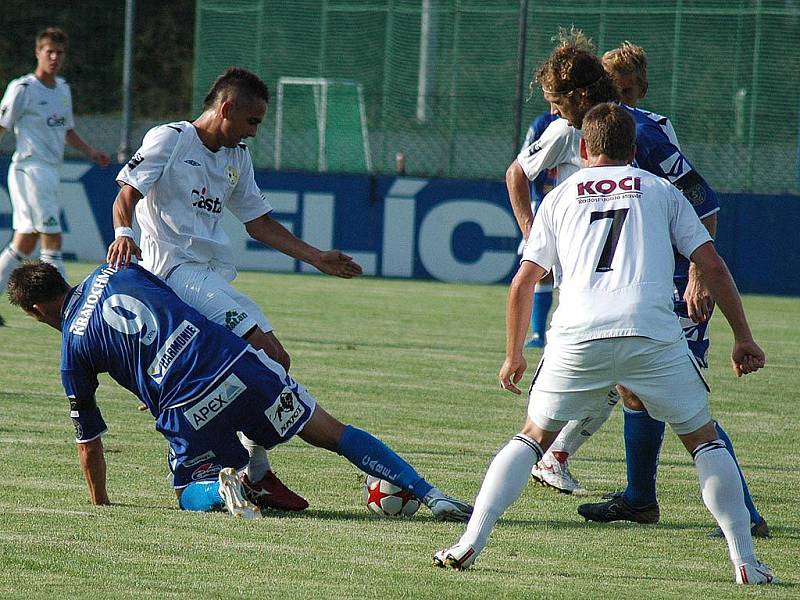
[
  {"x": 758, "y": 526},
  {"x": 553, "y": 470},
  {"x": 375, "y": 458},
  {"x": 722, "y": 494},
  {"x": 504, "y": 482}
]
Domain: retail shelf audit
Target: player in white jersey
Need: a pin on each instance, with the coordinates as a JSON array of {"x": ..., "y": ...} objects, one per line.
[
  {"x": 38, "y": 107},
  {"x": 179, "y": 182},
  {"x": 611, "y": 227}
]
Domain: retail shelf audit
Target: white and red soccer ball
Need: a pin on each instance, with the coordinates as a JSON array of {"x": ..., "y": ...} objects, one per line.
[{"x": 386, "y": 499}]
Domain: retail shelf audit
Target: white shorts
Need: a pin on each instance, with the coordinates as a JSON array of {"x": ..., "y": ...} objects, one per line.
[
  {"x": 208, "y": 292},
  {"x": 33, "y": 187},
  {"x": 572, "y": 381}
]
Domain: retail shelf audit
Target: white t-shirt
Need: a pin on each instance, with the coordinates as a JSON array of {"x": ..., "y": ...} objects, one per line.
[
  {"x": 185, "y": 187},
  {"x": 40, "y": 118},
  {"x": 611, "y": 231},
  {"x": 557, "y": 148}
]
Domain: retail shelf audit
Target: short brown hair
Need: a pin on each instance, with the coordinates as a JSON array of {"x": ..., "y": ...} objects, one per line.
[
  {"x": 609, "y": 129},
  {"x": 239, "y": 83},
  {"x": 54, "y": 35},
  {"x": 628, "y": 59},
  {"x": 35, "y": 283},
  {"x": 573, "y": 66}
]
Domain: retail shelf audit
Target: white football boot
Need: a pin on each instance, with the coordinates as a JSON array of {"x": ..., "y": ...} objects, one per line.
[
  {"x": 550, "y": 472},
  {"x": 446, "y": 508},
  {"x": 754, "y": 573},
  {"x": 230, "y": 488},
  {"x": 458, "y": 557}
]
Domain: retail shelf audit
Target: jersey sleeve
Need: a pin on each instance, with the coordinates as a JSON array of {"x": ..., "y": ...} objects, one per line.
[
  {"x": 80, "y": 385},
  {"x": 247, "y": 202},
  {"x": 541, "y": 245},
  {"x": 147, "y": 164},
  {"x": 70, "y": 115},
  {"x": 658, "y": 155},
  {"x": 13, "y": 104},
  {"x": 686, "y": 230},
  {"x": 547, "y": 152}
]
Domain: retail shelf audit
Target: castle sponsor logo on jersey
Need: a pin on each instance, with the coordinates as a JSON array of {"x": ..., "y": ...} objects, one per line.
[
  {"x": 232, "y": 174},
  {"x": 675, "y": 167},
  {"x": 214, "y": 403},
  {"x": 78, "y": 326},
  {"x": 285, "y": 411},
  {"x": 171, "y": 350},
  {"x": 233, "y": 318},
  {"x": 377, "y": 467},
  {"x": 205, "y": 457},
  {"x": 56, "y": 121},
  {"x": 606, "y": 187},
  {"x": 135, "y": 161},
  {"x": 200, "y": 200},
  {"x": 206, "y": 471}
]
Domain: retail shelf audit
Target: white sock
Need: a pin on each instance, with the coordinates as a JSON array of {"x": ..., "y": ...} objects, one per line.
[
  {"x": 505, "y": 480},
  {"x": 10, "y": 259},
  {"x": 722, "y": 494},
  {"x": 575, "y": 434},
  {"x": 259, "y": 461},
  {"x": 543, "y": 287},
  {"x": 55, "y": 258}
]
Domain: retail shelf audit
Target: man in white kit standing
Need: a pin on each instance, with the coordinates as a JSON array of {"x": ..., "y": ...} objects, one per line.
[
  {"x": 611, "y": 228},
  {"x": 186, "y": 173},
  {"x": 38, "y": 108}
]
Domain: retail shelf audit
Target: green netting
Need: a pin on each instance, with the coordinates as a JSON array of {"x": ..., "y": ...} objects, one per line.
[{"x": 438, "y": 78}]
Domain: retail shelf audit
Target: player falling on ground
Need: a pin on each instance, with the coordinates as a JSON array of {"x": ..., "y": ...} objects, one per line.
[
  {"x": 201, "y": 383},
  {"x": 178, "y": 183},
  {"x": 38, "y": 108},
  {"x": 541, "y": 185},
  {"x": 611, "y": 228},
  {"x": 659, "y": 153}
]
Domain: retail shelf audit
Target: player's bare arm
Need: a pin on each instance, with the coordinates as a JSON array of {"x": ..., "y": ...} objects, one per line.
[
  {"x": 746, "y": 357},
  {"x": 76, "y": 141},
  {"x": 124, "y": 247},
  {"x": 699, "y": 301},
  {"x": 93, "y": 464},
  {"x": 520, "y": 195},
  {"x": 518, "y": 309},
  {"x": 268, "y": 231}
]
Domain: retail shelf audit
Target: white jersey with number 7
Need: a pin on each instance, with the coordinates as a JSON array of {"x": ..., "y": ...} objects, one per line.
[{"x": 611, "y": 231}]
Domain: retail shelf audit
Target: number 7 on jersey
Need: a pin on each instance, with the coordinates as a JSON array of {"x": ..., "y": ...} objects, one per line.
[{"x": 617, "y": 217}]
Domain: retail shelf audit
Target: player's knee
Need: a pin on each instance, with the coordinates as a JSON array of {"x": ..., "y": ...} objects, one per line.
[
  {"x": 323, "y": 430},
  {"x": 630, "y": 399},
  {"x": 270, "y": 344}
]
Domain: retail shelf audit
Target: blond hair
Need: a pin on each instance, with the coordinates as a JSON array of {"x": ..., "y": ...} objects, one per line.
[{"x": 628, "y": 59}]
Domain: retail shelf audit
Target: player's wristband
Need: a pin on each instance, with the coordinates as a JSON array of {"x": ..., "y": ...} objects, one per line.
[{"x": 124, "y": 232}]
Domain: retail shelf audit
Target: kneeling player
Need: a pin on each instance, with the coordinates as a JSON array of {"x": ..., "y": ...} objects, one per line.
[{"x": 201, "y": 383}]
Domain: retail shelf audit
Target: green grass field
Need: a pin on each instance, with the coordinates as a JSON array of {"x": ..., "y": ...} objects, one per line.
[{"x": 414, "y": 363}]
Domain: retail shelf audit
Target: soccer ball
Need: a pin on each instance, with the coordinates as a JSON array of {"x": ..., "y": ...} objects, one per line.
[{"x": 386, "y": 499}]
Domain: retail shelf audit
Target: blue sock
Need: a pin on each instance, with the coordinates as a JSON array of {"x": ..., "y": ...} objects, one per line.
[
  {"x": 755, "y": 517},
  {"x": 201, "y": 496},
  {"x": 643, "y": 438},
  {"x": 542, "y": 301},
  {"x": 375, "y": 458}
]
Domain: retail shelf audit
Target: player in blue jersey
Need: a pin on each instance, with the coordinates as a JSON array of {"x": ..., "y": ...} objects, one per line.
[
  {"x": 201, "y": 382},
  {"x": 541, "y": 185},
  {"x": 573, "y": 81}
]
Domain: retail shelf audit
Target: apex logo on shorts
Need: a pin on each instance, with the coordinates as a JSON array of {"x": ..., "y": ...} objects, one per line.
[
  {"x": 200, "y": 200},
  {"x": 606, "y": 187},
  {"x": 285, "y": 411},
  {"x": 56, "y": 121},
  {"x": 217, "y": 401},
  {"x": 233, "y": 318},
  {"x": 172, "y": 348}
]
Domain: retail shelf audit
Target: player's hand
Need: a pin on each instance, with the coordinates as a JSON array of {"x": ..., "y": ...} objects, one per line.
[
  {"x": 747, "y": 357},
  {"x": 699, "y": 302},
  {"x": 101, "y": 158},
  {"x": 121, "y": 250},
  {"x": 511, "y": 373},
  {"x": 339, "y": 264}
]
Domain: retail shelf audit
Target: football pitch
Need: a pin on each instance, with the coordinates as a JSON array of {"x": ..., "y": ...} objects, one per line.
[{"x": 415, "y": 363}]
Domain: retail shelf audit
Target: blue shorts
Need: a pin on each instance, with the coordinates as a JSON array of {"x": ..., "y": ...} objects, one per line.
[
  {"x": 696, "y": 334},
  {"x": 255, "y": 396}
]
